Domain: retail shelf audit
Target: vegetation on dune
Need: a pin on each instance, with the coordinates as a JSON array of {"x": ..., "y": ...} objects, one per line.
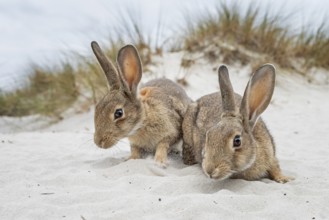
[
  {"x": 232, "y": 33},
  {"x": 235, "y": 34},
  {"x": 48, "y": 92}
]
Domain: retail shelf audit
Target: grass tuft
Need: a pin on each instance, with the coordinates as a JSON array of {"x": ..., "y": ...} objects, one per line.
[
  {"x": 235, "y": 34},
  {"x": 48, "y": 92}
]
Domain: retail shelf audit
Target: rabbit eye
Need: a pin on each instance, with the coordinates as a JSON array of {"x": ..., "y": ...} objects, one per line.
[
  {"x": 237, "y": 141},
  {"x": 118, "y": 113}
]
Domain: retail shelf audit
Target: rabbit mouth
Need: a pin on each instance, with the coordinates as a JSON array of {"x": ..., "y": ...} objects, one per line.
[
  {"x": 216, "y": 174},
  {"x": 108, "y": 144},
  {"x": 220, "y": 176},
  {"x": 105, "y": 143}
]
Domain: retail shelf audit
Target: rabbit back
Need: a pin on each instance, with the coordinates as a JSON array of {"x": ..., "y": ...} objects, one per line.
[
  {"x": 164, "y": 103},
  {"x": 171, "y": 95}
]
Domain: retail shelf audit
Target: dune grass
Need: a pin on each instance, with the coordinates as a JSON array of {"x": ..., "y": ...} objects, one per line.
[
  {"x": 48, "y": 92},
  {"x": 313, "y": 47},
  {"x": 231, "y": 34},
  {"x": 235, "y": 33}
]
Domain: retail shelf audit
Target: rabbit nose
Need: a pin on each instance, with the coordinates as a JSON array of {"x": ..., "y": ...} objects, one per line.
[
  {"x": 213, "y": 174},
  {"x": 210, "y": 173},
  {"x": 98, "y": 141}
]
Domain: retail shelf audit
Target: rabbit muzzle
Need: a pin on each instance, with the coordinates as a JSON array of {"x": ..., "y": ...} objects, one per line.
[
  {"x": 104, "y": 142},
  {"x": 218, "y": 171}
]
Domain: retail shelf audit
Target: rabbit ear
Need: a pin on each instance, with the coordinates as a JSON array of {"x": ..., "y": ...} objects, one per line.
[
  {"x": 226, "y": 89},
  {"x": 107, "y": 66},
  {"x": 130, "y": 66},
  {"x": 258, "y": 94}
]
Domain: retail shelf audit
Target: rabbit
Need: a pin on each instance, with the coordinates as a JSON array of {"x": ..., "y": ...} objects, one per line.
[
  {"x": 225, "y": 134},
  {"x": 151, "y": 118}
]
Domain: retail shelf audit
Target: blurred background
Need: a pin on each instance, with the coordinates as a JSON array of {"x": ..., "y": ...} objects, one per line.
[{"x": 45, "y": 45}]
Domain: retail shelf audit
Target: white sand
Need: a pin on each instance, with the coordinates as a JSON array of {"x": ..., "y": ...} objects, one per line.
[{"x": 58, "y": 173}]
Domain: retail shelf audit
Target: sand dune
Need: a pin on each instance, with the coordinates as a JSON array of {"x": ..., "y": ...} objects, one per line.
[{"x": 56, "y": 172}]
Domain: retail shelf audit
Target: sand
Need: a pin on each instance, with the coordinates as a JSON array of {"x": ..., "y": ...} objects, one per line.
[{"x": 57, "y": 172}]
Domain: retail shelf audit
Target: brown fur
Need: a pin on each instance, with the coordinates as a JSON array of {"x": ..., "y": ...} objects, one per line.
[
  {"x": 151, "y": 118},
  {"x": 212, "y": 122}
]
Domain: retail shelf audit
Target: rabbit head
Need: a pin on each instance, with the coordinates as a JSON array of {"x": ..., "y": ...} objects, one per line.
[
  {"x": 230, "y": 146},
  {"x": 118, "y": 114}
]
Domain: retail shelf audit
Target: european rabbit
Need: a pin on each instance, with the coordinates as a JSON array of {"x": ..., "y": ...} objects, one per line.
[
  {"x": 224, "y": 132},
  {"x": 151, "y": 117}
]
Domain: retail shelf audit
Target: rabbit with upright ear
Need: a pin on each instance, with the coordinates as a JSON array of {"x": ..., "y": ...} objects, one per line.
[
  {"x": 225, "y": 133},
  {"x": 151, "y": 117}
]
